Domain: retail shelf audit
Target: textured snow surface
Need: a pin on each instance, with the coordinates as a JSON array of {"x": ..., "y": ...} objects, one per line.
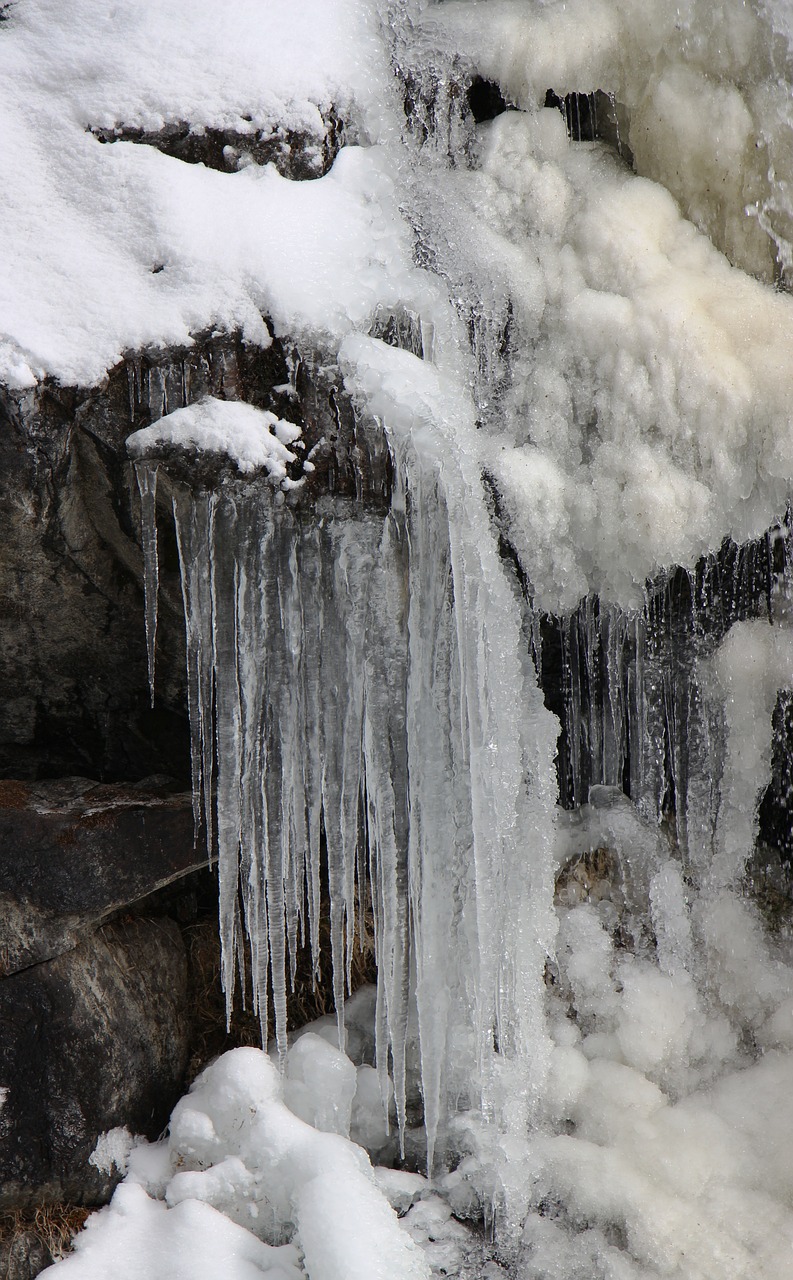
[
  {"x": 253, "y": 439},
  {"x": 116, "y": 247},
  {"x": 245, "y": 1187}
]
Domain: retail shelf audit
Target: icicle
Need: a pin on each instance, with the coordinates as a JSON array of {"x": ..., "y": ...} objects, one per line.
[
  {"x": 384, "y": 661},
  {"x": 197, "y": 630},
  {"x": 440, "y": 812},
  {"x": 224, "y": 587},
  {"x": 385, "y": 756},
  {"x": 146, "y": 475},
  {"x": 309, "y": 587}
]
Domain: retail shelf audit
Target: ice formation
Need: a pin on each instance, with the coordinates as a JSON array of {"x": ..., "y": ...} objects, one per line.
[
  {"x": 597, "y": 383},
  {"x": 353, "y": 670}
]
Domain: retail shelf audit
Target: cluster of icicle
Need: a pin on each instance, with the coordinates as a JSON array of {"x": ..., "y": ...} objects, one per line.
[
  {"x": 637, "y": 685},
  {"x": 358, "y": 693}
]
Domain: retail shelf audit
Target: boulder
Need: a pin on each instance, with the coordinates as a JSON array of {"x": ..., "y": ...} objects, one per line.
[
  {"x": 74, "y": 852},
  {"x": 95, "y": 1039}
]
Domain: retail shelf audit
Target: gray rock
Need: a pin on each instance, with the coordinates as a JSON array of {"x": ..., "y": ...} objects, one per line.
[
  {"x": 296, "y": 155},
  {"x": 74, "y": 852},
  {"x": 23, "y": 1254},
  {"x": 94, "y": 1039}
]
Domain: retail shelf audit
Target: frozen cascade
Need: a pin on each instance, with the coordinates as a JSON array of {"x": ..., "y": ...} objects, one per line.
[
  {"x": 146, "y": 477},
  {"x": 360, "y": 685},
  {"x": 639, "y": 711},
  {"x": 366, "y": 721}
]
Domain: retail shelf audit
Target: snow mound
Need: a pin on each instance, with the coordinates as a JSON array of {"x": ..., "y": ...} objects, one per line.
[
  {"x": 252, "y": 439},
  {"x": 245, "y": 1187}
]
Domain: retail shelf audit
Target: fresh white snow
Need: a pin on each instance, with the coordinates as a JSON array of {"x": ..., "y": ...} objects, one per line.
[{"x": 253, "y": 439}]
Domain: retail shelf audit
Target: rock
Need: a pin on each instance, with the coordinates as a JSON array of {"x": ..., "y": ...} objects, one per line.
[
  {"x": 72, "y": 646},
  {"x": 94, "y": 1039},
  {"x": 23, "y": 1255},
  {"x": 72, "y": 643},
  {"x": 32, "y": 1240},
  {"x": 592, "y": 876},
  {"x": 298, "y": 156},
  {"x": 74, "y": 852}
]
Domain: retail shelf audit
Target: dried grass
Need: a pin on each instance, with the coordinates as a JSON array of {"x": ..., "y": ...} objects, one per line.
[{"x": 51, "y": 1227}]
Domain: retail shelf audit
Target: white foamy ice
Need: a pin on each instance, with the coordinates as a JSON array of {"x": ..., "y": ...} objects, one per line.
[
  {"x": 697, "y": 1186},
  {"x": 240, "y": 1176},
  {"x": 253, "y": 439},
  {"x": 753, "y": 663},
  {"x": 701, "y": 86},
  {"x": 646, "y": 409},
  {"x": 645, "y": 401}
]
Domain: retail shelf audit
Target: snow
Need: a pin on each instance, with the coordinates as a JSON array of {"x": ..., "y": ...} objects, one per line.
[
  {"x": 140, "y": 1238},
  {"x": 252, "y": 439},
  {"x": 320, "y": 1084},
  {"x": 251, "y": 1189},
  {"x": 86, "y": 224},
  {"x": 136, "y": 64}
]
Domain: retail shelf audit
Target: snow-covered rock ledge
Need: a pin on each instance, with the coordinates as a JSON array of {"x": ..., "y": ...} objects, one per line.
[{"x": 252, "y": 441}]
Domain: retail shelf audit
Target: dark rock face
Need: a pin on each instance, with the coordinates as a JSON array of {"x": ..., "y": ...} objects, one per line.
[
  {"x": 72, "y": 853},
  {"x": 94, "y": 1022},
  {"x": 23, "y": 1254},
  {"x": 90, "y": 1040},
  {"x": 72, "y": 645},
  {"x": 71, "y": 668}
]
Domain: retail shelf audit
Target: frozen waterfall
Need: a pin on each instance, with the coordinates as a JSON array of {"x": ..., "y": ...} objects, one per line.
[
  {"x": 529, "y": 710},
  {"x": 360, "y": 691}
]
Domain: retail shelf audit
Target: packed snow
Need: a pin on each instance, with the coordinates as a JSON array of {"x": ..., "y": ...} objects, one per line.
[
  {"x": 243, "y": 1186},
  {"x": 111, "y": 248},
  {"x": 252, "y": 439}
]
